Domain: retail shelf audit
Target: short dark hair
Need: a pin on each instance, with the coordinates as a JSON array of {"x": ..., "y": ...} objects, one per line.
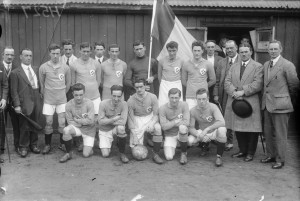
[
  {"x": 84, "y": 45},
  {"x": 202, "y": 91},
  {"x": 246, "y": 45},
  {"x": 231, "y": 41},
  {"x": 116, "y": 88},
  {"x": 172, "y": 44},
  {"x": 174, "y": 91},
  {"x": 26, "y": 48},
  {"x": 101, "y": 43},
  {"x": 114, "y": 46},
  {"x": 198, "y": 43},
  {"x": 53, "y": 46},
  {"x": 138, "y": 42},
  {"x": 78, "y": 87},
  {"x": 276, "y": 41},
  {"x": 67, "y": 42},
  {"x": 140, "y": 80},
  {"x": 213, "y": 41}
]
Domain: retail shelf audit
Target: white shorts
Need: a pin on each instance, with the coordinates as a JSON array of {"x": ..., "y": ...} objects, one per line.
[
  {"x": 191, "y": 103},
  {"x": 212, "y": 136},
  {"x": 87, "y": 140},
  {"x": 142, "y": 124},
  {"x": 106, "y": 138},
  {"x": 96, "y": 102},
  {"x": 171, "y": 141},
  {"x": 164, "y": 88},
  {"x": 50, "y": 109}
]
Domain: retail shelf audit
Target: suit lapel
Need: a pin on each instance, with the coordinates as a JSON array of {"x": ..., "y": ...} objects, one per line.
[
  {"x": 247, "y": 72},
  {"x": 23, "y": 75},
  {"x": 274, "y": 71}
]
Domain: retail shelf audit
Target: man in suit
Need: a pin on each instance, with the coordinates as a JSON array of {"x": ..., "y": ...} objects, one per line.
[
  {"x": 3, "y": 98},
  {"x": 26, "y": 99},
  {"x": 220, "y": 96},
  {"x": 244, "y": 82},
  {"x": 8, "y": 65},
  {"x": 99, "y": 50},
  {"x": 211, "y": 56},
  {"x": 280, "y": 86}
]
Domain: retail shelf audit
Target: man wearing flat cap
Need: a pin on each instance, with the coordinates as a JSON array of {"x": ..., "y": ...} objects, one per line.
[{"x": 244, "y": 82}]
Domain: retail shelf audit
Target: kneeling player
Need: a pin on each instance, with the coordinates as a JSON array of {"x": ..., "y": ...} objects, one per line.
[
  {"x": 211, "y": 124},
  {"x": 174, "y": 118},
  {"x": 112, "y": 117},
  {"x": 143, "y": 117},
  {"x": 80, "y": 115}
]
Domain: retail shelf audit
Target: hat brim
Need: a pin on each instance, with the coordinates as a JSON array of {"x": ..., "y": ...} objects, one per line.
[{"x": 242, "y": 108}]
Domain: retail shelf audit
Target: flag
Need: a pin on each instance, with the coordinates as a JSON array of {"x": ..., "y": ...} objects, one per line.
[{"x": 166, "y": 27}]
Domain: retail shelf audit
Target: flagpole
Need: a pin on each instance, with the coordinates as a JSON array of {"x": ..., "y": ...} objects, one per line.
[{"x": 150, "y": 49}]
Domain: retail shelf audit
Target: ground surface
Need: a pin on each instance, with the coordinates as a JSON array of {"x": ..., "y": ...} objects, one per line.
[{"x": 40, "y": 177}]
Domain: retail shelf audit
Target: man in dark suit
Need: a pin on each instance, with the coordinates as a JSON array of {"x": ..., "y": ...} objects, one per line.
[
  {"x": 220, "y": 96},
  {"x": 3, "y": 98},
  {"x": 280, "y": 86},
  {"x": 99, "y": 50},
  {"x": 8, "y": 66},
  {"x": 26, "y": 99},
  {"x": 211, "y": 56}
]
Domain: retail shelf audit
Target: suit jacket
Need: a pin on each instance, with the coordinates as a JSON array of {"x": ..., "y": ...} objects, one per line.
[
  {"x": 251, "y": 83},
  {"x": 21, "y": 90},
  {"x": 3, "y": 84},
  {"x": 216, "y": 61},
  {"x": 279, "y": 84},
  {"x": 13, "y": 67},
  {"x": 221, "y": 72},
  {"x": 104, "y": 58}
]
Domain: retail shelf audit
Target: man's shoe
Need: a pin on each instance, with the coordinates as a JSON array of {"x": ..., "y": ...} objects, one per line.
[
  {"x": 46, "y": 149},
  {"x": 35, "y": 150},
  {"x": 248, "y": 158},
  {"x": 65, "y": 158},
  {"x": 157, "y": 159},
  {"x": 23, "y": 152},
  {"x": 124, "y": 158},
  {"x": 238, "y": 155},
  {"x": 150, "y": 142},
  {"x": 228, "y": 147},
  {"x": 203, "y": 152},
  {"x": 183, "y": 158},
  {"x": 62, "y": 147},
  {"x": 268, "y": 160},
  {"x": 1, "y": 160},
  {"x": 219, "y": 161},
  {"x": 80, "y": 147},
  {"x": 278, "y": 165}
]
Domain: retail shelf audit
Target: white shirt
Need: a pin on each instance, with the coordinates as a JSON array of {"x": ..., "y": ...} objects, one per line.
[
  {"x": 246, "y": 63},
  {"x": 211, "y": 59},
  {"x": 25, "y": 68},
  {"x": 275, "y": 60},
  {"x": 6, "y": 65},
  {"x": 101, "y": 59},
  {"x": 232, "y": 59},
  {"x": 64, "y": 59}
]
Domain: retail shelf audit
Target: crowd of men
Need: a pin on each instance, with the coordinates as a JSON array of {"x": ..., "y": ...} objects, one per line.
[{"x": 87, "y": 94}]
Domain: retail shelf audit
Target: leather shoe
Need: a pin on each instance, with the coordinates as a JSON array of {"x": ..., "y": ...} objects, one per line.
[
  {"x": 228, "y": 147},
  {"x": 46, "y": 149},
  {"x": 238, "y": 155},
  {"x": 219, "y": 162},
  {"x": 278, "y": 165},
  {"x": 23, "y": 152},
  {"x": 183, "y": 158},
  {"x": 268, "y": 160},
  {"x": 65, "y": 158},
  {"x": 248, "y": 158},
  {"x": 157, "y": 159},
  {"x": 1, "y": 160},
  {"x": 124, "y": 158},
  {"x": 35, "y": 149}
]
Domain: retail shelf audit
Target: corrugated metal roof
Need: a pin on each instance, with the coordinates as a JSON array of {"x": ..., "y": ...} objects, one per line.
[{"x": 275, "y": 4}]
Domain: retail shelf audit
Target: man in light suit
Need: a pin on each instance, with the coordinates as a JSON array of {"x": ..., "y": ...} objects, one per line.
[
  {"x": 8, "y": 66},
  {"x": 280, "y": 85},
  {"x": 210, "y": 55},
  {"x": 26, "y": 97},
  {"x": 244, "y": 82},
  {"x": 220, "y": 96}
]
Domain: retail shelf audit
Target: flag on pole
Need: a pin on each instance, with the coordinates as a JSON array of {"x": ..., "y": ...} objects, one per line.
[{"x": 166, "y": 27}]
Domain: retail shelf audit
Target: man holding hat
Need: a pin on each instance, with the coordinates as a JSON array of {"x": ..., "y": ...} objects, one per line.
[{"x": 243, "y": 84}]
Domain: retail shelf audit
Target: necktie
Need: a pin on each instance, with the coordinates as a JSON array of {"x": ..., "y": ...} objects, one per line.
[
  {"x": 68, "y": 61},
  {"x": 31, "y": 79},
  {"x": 99, "y": 61},
  {"x": 243, "y": 67},
  {"x": 271, "y": 64},
  {"x": 230, "y": 62}
]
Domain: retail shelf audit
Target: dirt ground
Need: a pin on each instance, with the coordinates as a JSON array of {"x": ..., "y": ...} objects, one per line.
[{"x": 43, "y": 178}]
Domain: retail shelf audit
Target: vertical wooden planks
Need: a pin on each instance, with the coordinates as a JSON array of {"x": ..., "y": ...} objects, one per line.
[
  {"x": 77, "y": 31},
  {"x": 63, "y": 27},
  {"x": 36, "y": 41},
  {"x": 94, "y": 29},
  {"x": 85, "y": 28},
  {"x": 102, "y": 29},
  {"x": 111, "y": 29},
  {"x": 22, "y": 31},
  {"x": 129, "y": 37},
  {"x": 43, "y": 39},
  {"x": 121, "y": 36},
  {"x": 15, "y": 33}
]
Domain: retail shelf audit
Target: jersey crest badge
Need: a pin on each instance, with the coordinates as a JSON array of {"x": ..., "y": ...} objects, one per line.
[
  {"x": 118, "y": 73},
  {"x": 61, "y": 76},
  {"x": 202, "y": 71},
  {"x": 177, "y": 70},
  {"x": 180, "y": 116},
  {"x": 209, "y": 118},
  {"x": 149, "y": 109},
  {"x": 92, "y": 72},
  {"x": 84, "y": 115}
]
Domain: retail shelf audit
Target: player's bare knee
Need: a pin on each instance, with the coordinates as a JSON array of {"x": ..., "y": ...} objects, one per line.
[
  {"x": 221, "y": 135},
  {"x": 121, "y": 130},
  {"x": 105, "y": 154},
  {"x": 183, "y": 129},
  {"x": 190, "y": 140},
  {"x": 169, "y": 157},
  {"x": 157, "y": 129}
]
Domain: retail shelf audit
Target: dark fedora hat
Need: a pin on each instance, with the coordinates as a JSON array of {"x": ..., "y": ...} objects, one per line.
[{"x": 242, "y": 108}]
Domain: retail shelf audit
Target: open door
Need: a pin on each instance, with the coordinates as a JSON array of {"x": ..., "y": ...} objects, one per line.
[
  {"x": 200, "y": 33},
  {"x": 260, "y": 38}
]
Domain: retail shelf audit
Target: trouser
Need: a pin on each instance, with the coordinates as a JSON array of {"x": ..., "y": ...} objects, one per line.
[
  {"x": 247, "y": 142},
  {"x": 276, "y": 130}
]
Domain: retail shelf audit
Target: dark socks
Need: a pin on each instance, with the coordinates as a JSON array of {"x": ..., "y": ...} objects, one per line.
[
  {"x": 183, "y": 146},
  {"x": 156, "y": 146},
  {"x": 121, "y": 144},
  {"x": 68, "y": 145},
  {"x": 48, "y": 138},
  {"x": 60, "y": 138},
  {"x": 220, "y": 148}
]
